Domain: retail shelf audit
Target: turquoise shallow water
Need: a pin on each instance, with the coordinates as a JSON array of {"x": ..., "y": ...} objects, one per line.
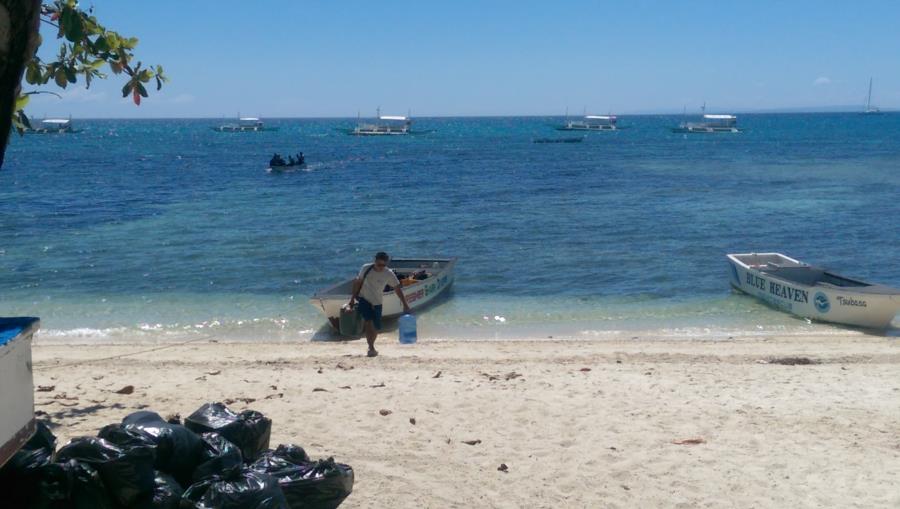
[{"x": 161, "y": 229}]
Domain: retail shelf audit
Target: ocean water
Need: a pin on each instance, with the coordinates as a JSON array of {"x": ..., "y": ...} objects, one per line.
[{"x": 164, "y": 229}]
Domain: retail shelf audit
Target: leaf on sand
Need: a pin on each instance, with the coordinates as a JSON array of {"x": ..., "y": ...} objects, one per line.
[
  {"x": 45, "y": 388},
  {"x": 273, "y": 396},
  {"x": 216, "y": 372},
  {"x": 584, "y": 370},
  {"x": 437, "y": 375},
  {"x": 377, "y": 386},
  {"x": 503, "y": 468},
  {"x": 384, "y": 412},
  {"x": 412, "y": 420},
  {"x": 319, "y": 389},
  {"x": 689, "y": 441},
  {"x": 128, "y": 389},
  {"x": 471, "y": 442}
]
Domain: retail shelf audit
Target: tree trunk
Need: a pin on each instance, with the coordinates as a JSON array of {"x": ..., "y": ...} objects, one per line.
[{"x": 19, "y": 25}]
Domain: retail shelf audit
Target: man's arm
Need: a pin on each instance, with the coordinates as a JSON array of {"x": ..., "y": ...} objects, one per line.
[
  {"x": 399, "y": 291},
  {"x": 357, "y": 286}
]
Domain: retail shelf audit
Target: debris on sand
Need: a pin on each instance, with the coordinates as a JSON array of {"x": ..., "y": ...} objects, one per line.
[
  {"x": 689, "y": 441},
  {"x": 128, "y": 389},
  {"x": 385, "y": 413}
]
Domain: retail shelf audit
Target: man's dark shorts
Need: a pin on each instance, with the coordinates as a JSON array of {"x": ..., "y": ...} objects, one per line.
[{"x": 369, "y": 312}]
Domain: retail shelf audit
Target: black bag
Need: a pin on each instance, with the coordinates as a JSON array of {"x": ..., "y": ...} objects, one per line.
[
  {"x": 249, "y": 430},
  {"x": 178, "y": 449},
  {"x": 75, "y": 485},
  {"x": 20, "y": 478},
  {"x": 166, "y": 494},
  {"x": 248, "y": 490},
  {"x": 222, "y": 459},
  {"x": 307, "y": 485},
  {"x": 127, "y": 473}
]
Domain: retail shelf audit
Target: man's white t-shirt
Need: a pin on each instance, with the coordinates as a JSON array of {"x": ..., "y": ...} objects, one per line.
[{"x": 373, "y": 286}]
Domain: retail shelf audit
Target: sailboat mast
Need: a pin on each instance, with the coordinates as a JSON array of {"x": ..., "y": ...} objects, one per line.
[{"x": 869, "y": 97}]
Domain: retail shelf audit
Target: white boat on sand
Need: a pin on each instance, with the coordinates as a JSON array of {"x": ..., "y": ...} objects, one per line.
[
  {"x": 813, "y": 292},
  {"x": 423, "y": 279}
]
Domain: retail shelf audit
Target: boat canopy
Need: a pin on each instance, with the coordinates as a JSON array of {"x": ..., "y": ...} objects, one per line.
[
  {"x": 58, "y": 121},
  {"x": 393, "y": 117},
  {"x": 720, "y": 117},
  {"x": 600, "y": 117},
  {"x": 249, "y": 119}
]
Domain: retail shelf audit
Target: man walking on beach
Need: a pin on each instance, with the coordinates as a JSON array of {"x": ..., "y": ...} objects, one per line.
[{"x": 368, "y": 289}]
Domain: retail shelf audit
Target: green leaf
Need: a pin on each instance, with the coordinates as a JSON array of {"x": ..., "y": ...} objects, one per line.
[
  {"x": 127, "y": 89},
  {"x": 72, "y": 25},
  {"x": 101, "y": 45},
  {"x": 141, "y": 90},
  {"x": 70, "y": 75},
  {"x": 60, "y": 77},
  {"x": 33, "y": 74},
  {"x": 21, "y": 102}
]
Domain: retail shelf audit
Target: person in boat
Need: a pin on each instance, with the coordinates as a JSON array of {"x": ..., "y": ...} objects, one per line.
[
  {"x": 368, "y": 293},
  {"x": 276, "y": 160},
  {"x": 291, "y": 161},
  {"x": 301, "y": 159}
]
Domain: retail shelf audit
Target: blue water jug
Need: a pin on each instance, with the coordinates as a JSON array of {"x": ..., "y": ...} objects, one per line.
[{"x": 407, "y": 329}]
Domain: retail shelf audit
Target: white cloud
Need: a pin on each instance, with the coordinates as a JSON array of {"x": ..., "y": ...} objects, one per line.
[{"x": 822, "y": 80}]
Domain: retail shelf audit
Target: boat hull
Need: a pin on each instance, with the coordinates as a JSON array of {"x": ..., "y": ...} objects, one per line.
[
  {"x": 418, "y": 295},
  {"x": 817, "y": 302},
  {"x": 706, "y": 130},
  {"x": 17, "y": 422},
  {"x": 592, "y": 128}
]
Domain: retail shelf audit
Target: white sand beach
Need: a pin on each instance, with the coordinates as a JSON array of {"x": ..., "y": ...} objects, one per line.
[{"x": 577, "y": 423}]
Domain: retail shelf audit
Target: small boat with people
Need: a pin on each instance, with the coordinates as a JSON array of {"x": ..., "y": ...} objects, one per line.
[
  {"x": 52, "y": 126},
  {"x": 423, "y": 280},
  {"x": 244, "y": 124},
  {"x": 813, "y": 292},
  {"x": 279, "y": 164}
]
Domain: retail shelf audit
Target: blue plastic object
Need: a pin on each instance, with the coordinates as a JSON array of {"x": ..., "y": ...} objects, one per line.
[{"x": 407, "y": 329}]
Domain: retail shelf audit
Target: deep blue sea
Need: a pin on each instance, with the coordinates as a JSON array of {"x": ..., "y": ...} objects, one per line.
[{"x": 165, "y": 229}]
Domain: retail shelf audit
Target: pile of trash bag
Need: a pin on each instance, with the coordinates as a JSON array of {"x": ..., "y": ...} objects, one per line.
[{"x": 216, "y": 459}]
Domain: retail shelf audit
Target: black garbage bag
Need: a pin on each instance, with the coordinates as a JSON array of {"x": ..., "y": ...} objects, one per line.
[
  {"x": 249, "y": 430},
  {"x": 323, "y": 484},
  {"x": 222, "y": 459},
  {"x": 286, "y": 456},
  {"x": 178, "y": 449},
  {"x": 248, "y": 490},
  {"x": 74, "y": 485},
  {"x": 20, "y": 477},
  {"x": 166, "y": 494},
  {"x": 126, "y": 473}
]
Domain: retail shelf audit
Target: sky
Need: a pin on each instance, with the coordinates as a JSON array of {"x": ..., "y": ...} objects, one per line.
[{"x": 494, "y": 57}]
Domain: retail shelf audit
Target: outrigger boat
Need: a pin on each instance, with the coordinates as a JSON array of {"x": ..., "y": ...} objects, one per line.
[
  {"x": 384, "y": 125},
  {"x": 813, "y": 292},
  {"x": 17, "y": 422},
  {"x": 590, "y": 123},
  {"x": 244, "y": 124},
  {"x": 52, "y": 126},
  {"x": 710, "y": 124},
  {"x": 423, "y": 279}
]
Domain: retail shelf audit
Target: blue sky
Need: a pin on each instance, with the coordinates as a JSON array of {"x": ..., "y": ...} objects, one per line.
[{"x": 334, "y": 58}]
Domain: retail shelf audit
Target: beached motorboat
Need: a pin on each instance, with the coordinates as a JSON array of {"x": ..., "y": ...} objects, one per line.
[
  {"x": 244, "y": 124},
  {"x": 17, "y": 422},
  {"x": 710, "y": 124},
  {"x": 590, "y": 123},
  {"x": 813, "y": 292},
  {"x": 431, "y": 276},
  {"x": 52, "y": 126}
]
